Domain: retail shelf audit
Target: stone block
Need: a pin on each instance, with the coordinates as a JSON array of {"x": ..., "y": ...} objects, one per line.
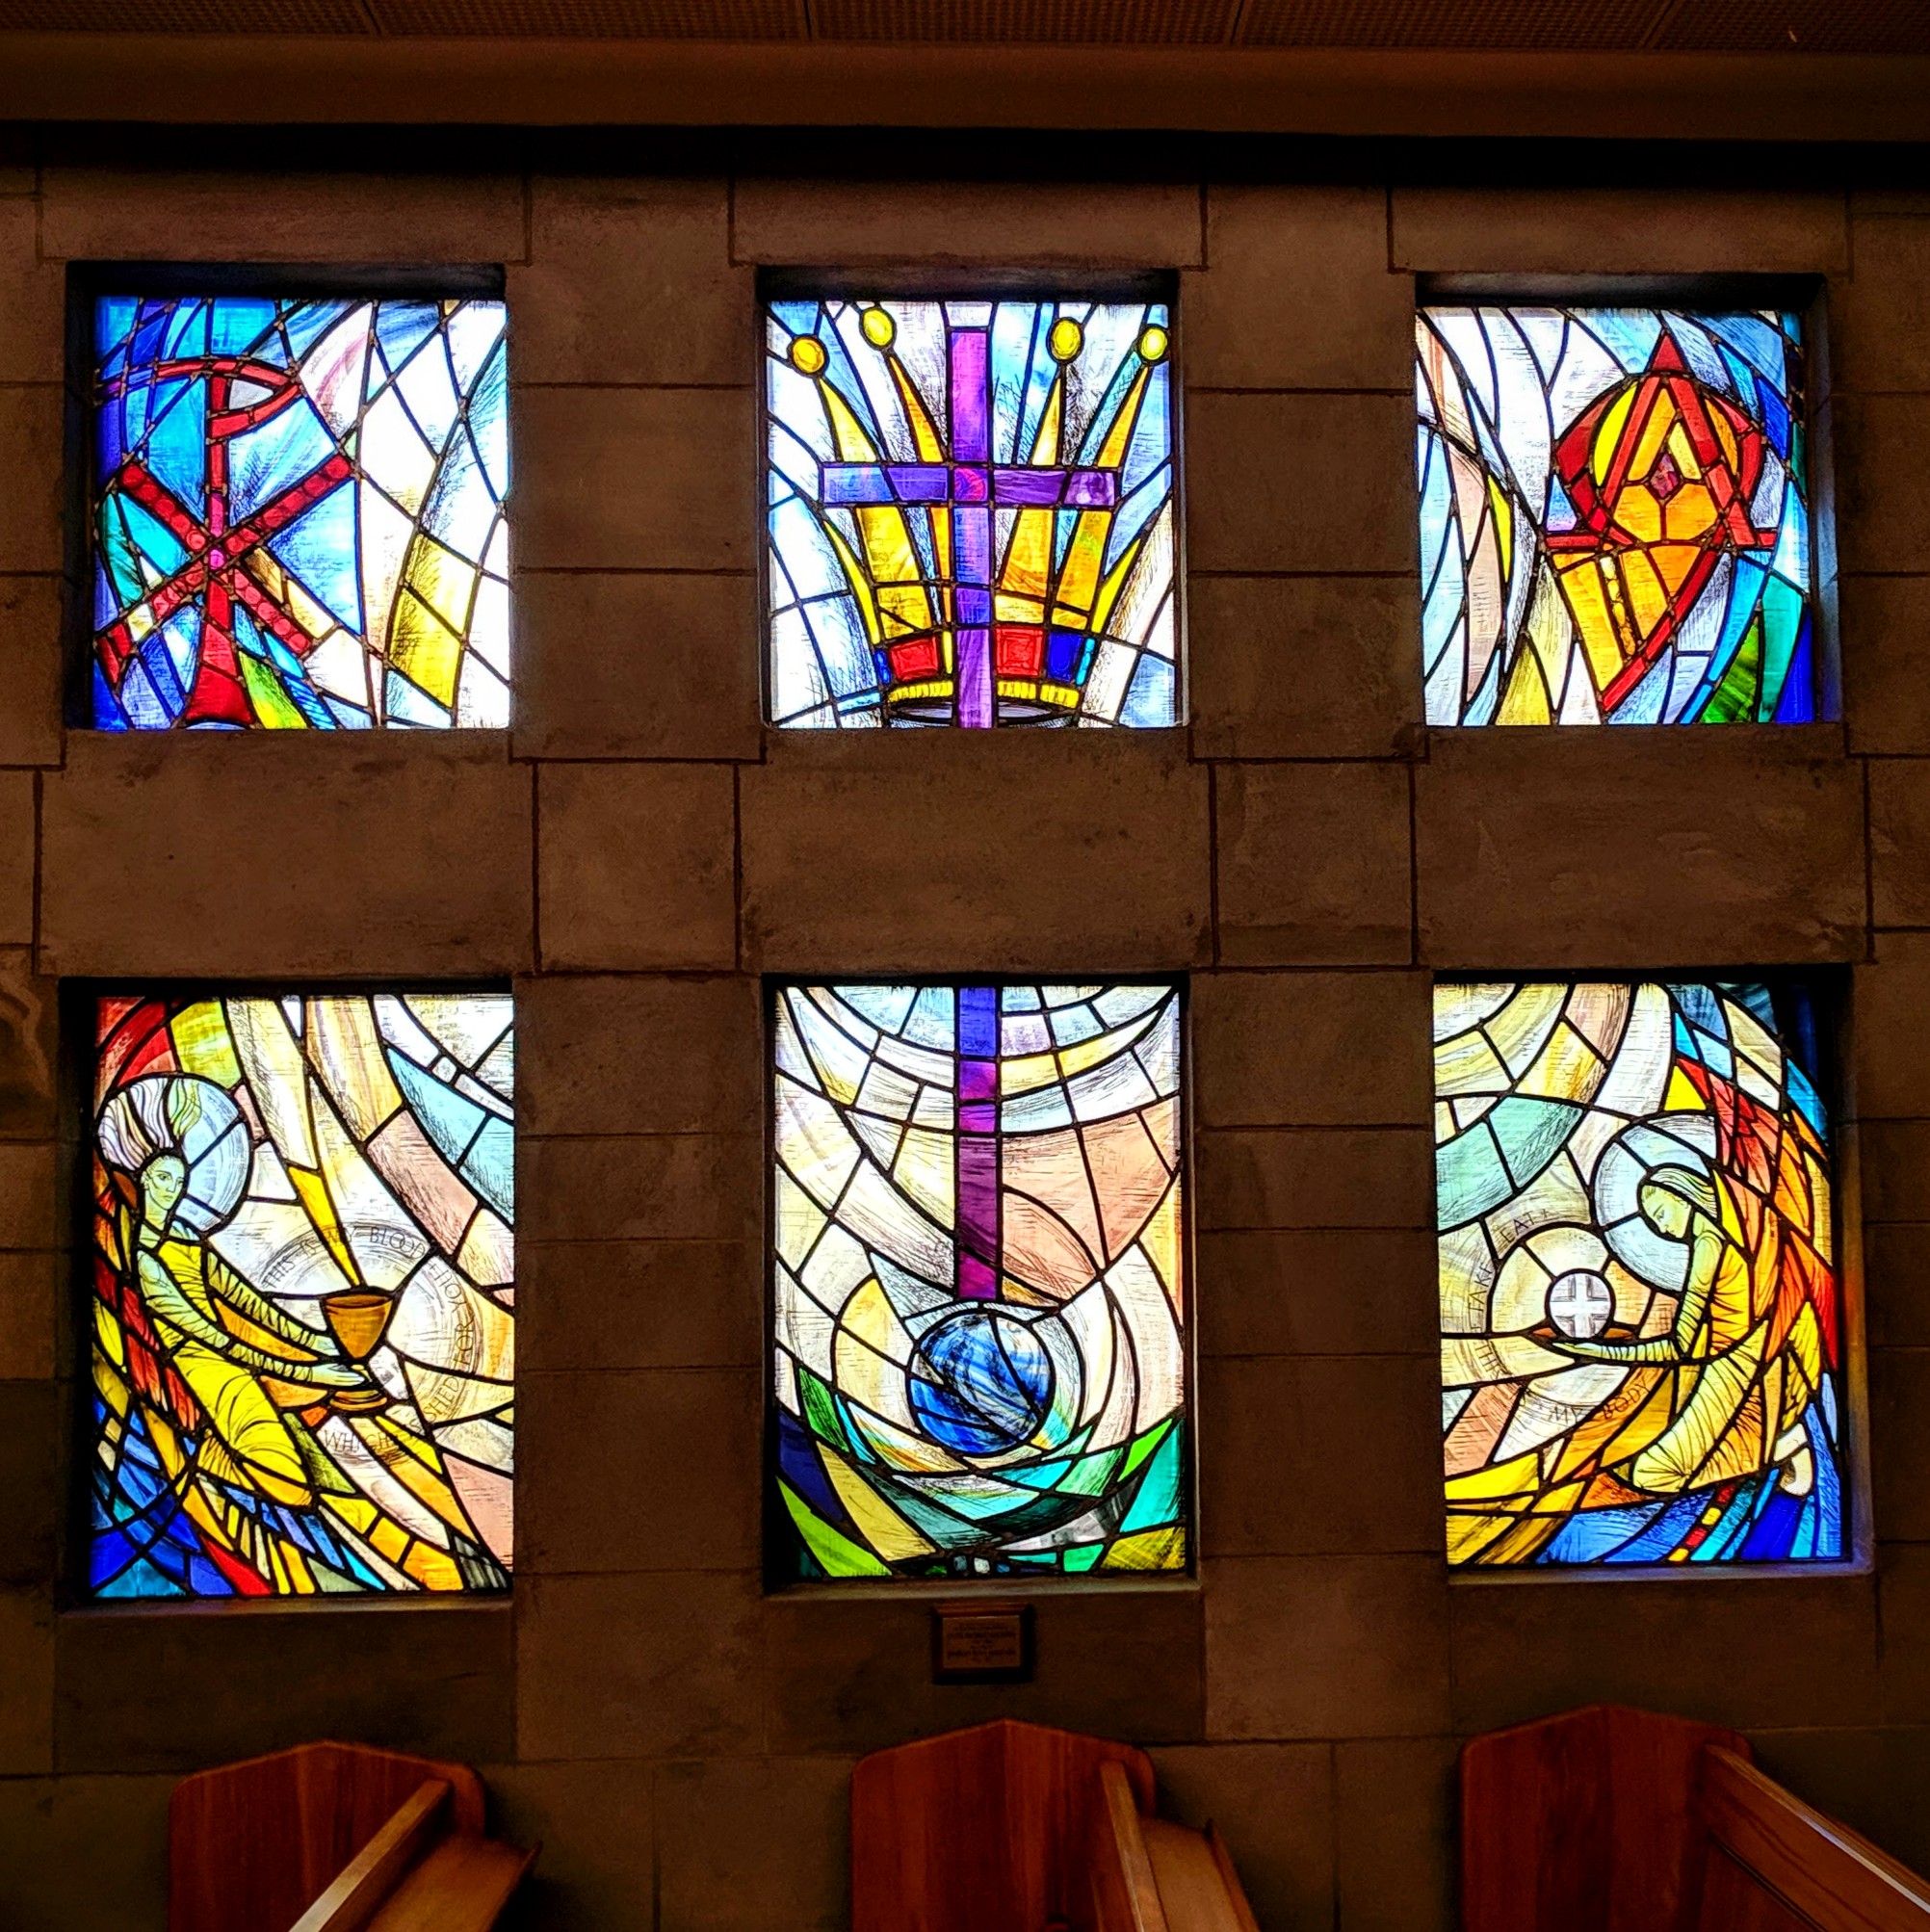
[
  {"x": 1899, "y": 1443},
  {"x": 32, "y": 302},
  {"x": 1297, "y": 292},
  {"x": 754, "y": 1845},
  {"x": 1311, "y": 1049},
  {"x": 32, "y": 1414},
  {"x": 30, "y": 661},
  {"x": 662, "y": 1304},
  {"x": 1314, "y": 865},
  {"x": 642, "y": 1186},
  {"x": 636, "y": 664},
  {"x": 1629, "y": 849},
  {"x": 622, "y": 1054},
  {"x": 1903, "y": 1599},
  {"x": 1332, "y": 1454},
  {"x": 31, "y": 1213},
  {"x": 636, "y": 865},
  {"x": 18, "y": 828},
  {"x": 1880, "y": 323},
  {"x": 1376, "y": 1177},
  {"x": 26, "y": 1684},
  {"x": 265, "y": 854},
  {"x": 1886, "y": 630},
  {"x": 1317, "y": 1292},
  {"x": 1739, "y": 1652},
  {"x": 1896, "y": 1273},
  {"x": 631, "y": 1469},
  {"x": 1602, "y": 231},
  {"x": 31, "y": 459},
  {"x": 1274, "y": 1806},
  {"x": 998, "y": 851},
  {"x": 1871, "y": 1779},
  {"x": 1883, "y": 525},
  {"x": 83, "y": 1852},
  {"x": 594, "y": 1823},
  {"x": 1326, "y": 1647},
  {"x": 1007, "y": 224},
  {"x": 243, "y": 214},
  {"x": 29, "y": 1316},
  {"x": 851, "y": 1670},
  {"x": 1301, "y": 482},
  {"x": 1899, "y": 841},
  {"x": 29, "y": 1045},
  {"x": 657, "y": 1666},
  {"x": 141, "y": 1691},
  {"x": 1394, "y": 1849},
  {"x": 1304, "y": 667},
  {"x": 1895, "y": 1170},
  {"x": 629, "y": 280},
  {"x": 635, "y": 478},
  {"x": 1890, "y": 1045}
]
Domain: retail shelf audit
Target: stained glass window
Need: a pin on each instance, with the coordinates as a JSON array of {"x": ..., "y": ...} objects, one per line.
[
  {"x": 304, "y": 1289},
  {"x": 1614, "y": 525},
  {"x": 970, "y": 513},
  {"x": 299, "y": 514},
  {"x": 981, "y": 1353},
  {"x": 1641, "y": 1328}
]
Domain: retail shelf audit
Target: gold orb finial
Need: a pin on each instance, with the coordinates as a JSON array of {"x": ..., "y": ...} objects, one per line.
[
  {"x": 1153, "y": 343},
  {"x": 1066, "y": 340},
  {"x": 879, "y": 326},
  {"x": 807, "y": 353}
]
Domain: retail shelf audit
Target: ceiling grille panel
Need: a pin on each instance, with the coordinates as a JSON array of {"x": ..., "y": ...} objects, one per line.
[
  {"x": 1447, "y": 23},
  {"x": 1801, "y": 26},
  {"x": 1189, "y": 22}
]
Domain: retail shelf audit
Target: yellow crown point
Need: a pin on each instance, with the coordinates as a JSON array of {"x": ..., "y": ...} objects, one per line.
[
  {"x": 807, "y": 353},
  {"x": 1153, "y": 343},
  {"x": 880, "y": 329},
  {"x": 1066, "y": 340}
]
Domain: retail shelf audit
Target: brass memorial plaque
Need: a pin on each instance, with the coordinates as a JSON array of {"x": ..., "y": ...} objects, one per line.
[{"x": 981, "y": 1643}]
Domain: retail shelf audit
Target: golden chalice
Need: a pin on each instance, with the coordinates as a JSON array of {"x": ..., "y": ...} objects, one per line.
[{"x": 358, "y": 1319}]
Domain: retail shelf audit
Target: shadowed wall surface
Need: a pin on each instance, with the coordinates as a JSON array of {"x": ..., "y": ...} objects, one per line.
[{"x": 637, "y": 851}]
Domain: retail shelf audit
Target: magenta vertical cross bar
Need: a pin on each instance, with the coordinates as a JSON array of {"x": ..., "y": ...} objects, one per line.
[
  {"x": 965, "y": 489},
  {"x": 977, "y": 1143}
]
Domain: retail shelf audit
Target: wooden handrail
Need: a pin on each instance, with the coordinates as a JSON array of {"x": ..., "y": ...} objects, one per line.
[
  {"x": 1822, "y": 1870},
  {"x": 1125, "y": 1895},
  {"x": 365, "y": 1882}
]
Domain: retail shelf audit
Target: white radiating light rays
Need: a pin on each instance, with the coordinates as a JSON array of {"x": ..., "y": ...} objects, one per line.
[
  {"x": 924, "y": 1428},
  {"x": 1639, "y": 1323}
]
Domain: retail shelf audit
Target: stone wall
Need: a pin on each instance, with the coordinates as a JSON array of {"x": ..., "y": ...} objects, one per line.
[{"x": 637, "y": 850}]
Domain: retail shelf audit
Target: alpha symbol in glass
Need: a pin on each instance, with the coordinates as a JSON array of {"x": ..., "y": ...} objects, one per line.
[
  {"x": 1641, "y": 1327},
  {"x": 969, "y": 513},
  {"x": 981, "y": 1360},
  {"x": 1613, "y": 524},
  {"x": 304, "y": 1293},
  {"x": 298, "y": 514}
]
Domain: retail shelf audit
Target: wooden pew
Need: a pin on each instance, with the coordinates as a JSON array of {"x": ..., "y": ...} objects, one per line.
[
  {"x": 1609, "y": 1820},
  {"x": 335, "y": 1838},
  {"x": 1012, "y": 1827}
]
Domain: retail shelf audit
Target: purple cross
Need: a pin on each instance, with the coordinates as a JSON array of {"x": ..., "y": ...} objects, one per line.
[
  {"x": 975, "y": 1143},
  {"x": 967, "y": 489}
]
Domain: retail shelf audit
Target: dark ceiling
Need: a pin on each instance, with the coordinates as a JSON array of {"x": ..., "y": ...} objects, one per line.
[{"x": 1669, "y": 26}]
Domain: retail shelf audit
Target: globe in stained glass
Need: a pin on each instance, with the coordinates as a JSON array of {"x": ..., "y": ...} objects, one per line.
[{"x": 980, "y": 1305}]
